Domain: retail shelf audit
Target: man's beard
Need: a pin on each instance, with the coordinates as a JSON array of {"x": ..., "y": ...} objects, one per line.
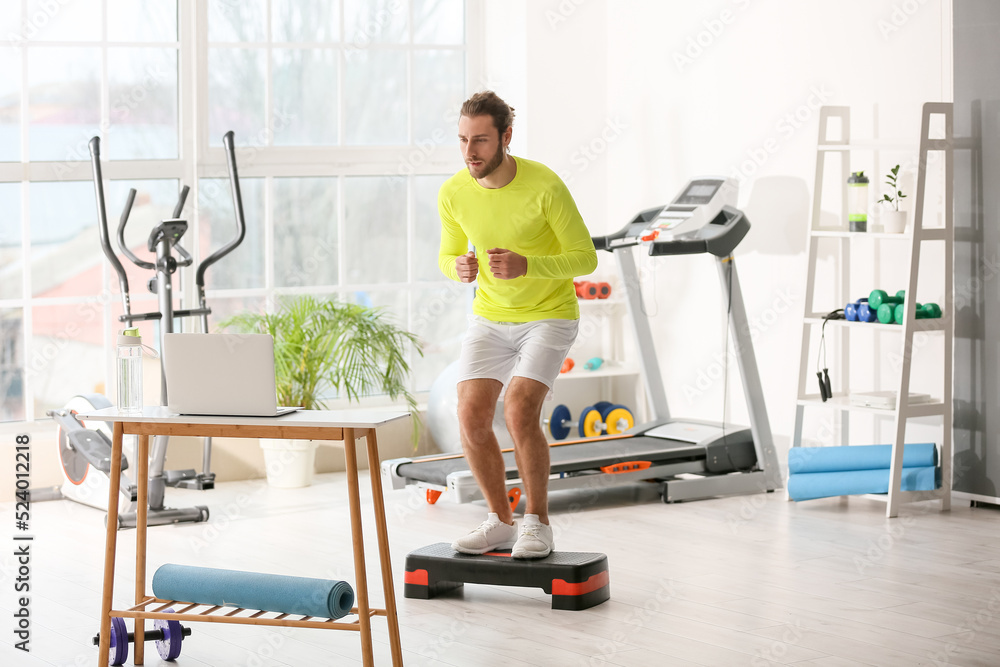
[{"x": 490, "y": 166}]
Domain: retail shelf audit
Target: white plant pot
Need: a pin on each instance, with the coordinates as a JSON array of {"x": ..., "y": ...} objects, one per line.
[
  {"x": 289, "y": 463},
  {"x": 894, "y": 222}
]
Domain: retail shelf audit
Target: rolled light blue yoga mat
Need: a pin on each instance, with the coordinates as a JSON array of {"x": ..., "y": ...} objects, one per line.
[
  {"x": 808, "y": 486},
  {"x": 324, "y": 598},
  {"x": 858, "y": 457}
]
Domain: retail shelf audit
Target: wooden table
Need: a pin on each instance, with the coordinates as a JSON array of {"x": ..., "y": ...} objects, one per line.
[{"x": 345, "y": 425}]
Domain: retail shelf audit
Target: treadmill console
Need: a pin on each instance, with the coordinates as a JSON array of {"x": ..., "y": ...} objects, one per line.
[{"x": 701, "y": 218}]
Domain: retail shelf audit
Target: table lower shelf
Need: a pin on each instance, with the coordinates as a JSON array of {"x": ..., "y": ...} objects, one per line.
[{"x": 219, "y": 614}]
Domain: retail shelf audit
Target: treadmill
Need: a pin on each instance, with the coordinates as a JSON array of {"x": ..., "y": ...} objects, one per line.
[{"x": 690, "y": 459}]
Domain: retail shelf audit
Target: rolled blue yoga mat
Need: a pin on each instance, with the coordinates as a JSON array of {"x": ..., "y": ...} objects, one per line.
[
  {"x": 858, "y": 457},
  {"x": 808, "y": 486},
  {"x": 324, "y": 598}
]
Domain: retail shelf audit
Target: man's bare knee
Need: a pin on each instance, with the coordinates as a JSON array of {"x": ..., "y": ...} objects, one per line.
[{"x": 522, "y": 418}]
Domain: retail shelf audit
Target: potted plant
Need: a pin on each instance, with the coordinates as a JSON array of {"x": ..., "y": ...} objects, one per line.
[
  {"x": 893, "y": 221},
  {"x": 326, "y": 348}
]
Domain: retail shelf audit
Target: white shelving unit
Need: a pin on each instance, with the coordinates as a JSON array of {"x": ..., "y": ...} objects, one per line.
[
  {"x": 916, "y": 237},
  {"x": 603, "y": 331}
]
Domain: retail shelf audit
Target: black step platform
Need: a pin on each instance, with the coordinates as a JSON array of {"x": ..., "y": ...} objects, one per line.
[{"x": 575, "y": 580}]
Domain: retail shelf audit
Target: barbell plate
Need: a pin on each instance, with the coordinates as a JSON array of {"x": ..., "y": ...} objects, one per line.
[
  {"x": 617, "y": 417},
  {"x": 590, "y": 421},
  {"x": 558, "y": 422},
  {"x": 119, "y": 641},
  {"x": 169, "y": 647}
]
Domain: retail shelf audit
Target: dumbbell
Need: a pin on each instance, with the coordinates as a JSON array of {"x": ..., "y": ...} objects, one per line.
[
  {"x": 851, "y": 310},
  {"x": 595, "y": 420},
  {"x": 878, "y": 297},
  {"x": 167, "y": 635},
  {"x": 589, "y": 290},
  {"x": 927, "y": 311},
  {"x": 859, "y": 311}
]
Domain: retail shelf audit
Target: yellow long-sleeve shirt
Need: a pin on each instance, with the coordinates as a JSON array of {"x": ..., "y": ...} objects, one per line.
[{"x": 534, "y": 215}]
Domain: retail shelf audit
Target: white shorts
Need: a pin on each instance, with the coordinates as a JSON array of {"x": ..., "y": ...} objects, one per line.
[{"x": 502, "y": 350}]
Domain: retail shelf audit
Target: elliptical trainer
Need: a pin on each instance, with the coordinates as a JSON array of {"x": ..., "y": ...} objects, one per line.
[{"x": 83, "y": 446}]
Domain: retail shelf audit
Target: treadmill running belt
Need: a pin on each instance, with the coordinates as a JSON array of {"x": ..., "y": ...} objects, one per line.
[{"x": 577, "y": 457}]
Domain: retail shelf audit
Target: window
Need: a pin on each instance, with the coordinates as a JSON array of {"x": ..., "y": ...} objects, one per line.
[{"x": 344, "y": 113}]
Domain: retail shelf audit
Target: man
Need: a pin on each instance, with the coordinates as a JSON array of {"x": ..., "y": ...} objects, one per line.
[{"x": 529, "y": 242}]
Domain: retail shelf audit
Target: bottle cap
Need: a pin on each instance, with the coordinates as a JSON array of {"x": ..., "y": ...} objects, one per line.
[{"x": 130, "y": 336}]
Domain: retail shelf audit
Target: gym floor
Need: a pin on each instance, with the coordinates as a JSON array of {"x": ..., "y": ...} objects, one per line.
[{"x": 751, "y": 580}]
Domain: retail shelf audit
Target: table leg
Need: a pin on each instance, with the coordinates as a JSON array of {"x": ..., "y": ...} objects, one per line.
[
  {"x": 357, "y": 535},
  {"x": 383, "y": 549},
  {"x": 110, "y": 544},
  {"x": 142, "y": 478}
]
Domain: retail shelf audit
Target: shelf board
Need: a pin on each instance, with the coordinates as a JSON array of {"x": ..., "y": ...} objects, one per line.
[
  {"x": 907, "y": 496},
  {"x": 842, "y": 403},
  {"x": 871, "y": 145},
  {"x": 610, "y": 303},
  {"x": 937, "y": 324},
  {"x": 927, "y": 234},
  {"x": 605, "y": 371}
]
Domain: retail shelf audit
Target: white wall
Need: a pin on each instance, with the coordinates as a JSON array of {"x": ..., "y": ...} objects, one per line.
[{"x": 630, "y": 99}]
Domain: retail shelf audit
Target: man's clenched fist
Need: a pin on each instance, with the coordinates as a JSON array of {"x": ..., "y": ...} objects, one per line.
[
  {"x": 467, "y": 266},
  {"x": 505, "y": 264}
]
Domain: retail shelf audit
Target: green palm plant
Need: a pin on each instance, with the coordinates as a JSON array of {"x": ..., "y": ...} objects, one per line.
[{"x": 324, "y": 347}]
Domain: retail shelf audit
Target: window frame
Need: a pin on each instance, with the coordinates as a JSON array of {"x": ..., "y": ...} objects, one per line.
[{"x": 197, "y": 159}]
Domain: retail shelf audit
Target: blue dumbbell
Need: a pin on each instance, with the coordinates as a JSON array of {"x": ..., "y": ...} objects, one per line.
[
  {"x": 867, "y": 313},
  {"x": 851, "y": 310}
]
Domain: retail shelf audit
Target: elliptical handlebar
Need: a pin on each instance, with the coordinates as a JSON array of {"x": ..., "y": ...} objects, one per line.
[
  {"x": 102, "y": 220},
  {"x": 180, "y": 201},
  {"x": 241, "y": 227},
  {"x": 121, "y": 234},
  {"x": 186, "y": 259}
]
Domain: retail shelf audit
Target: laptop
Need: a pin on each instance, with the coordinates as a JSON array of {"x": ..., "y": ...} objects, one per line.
[{"x": 221, "y": 374}]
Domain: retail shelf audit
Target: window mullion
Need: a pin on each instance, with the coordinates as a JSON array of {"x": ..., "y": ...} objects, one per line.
[
  {"x": 268, "y": 92},
  {"x": 26, "y": 328}
]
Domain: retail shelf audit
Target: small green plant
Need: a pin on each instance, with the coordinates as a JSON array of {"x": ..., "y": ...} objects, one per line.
[
  {"x": 891, "y": 181},
  {"x": 328, "y": 347}
]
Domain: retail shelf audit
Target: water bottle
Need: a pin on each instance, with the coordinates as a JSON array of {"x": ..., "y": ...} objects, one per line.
[
  {"x": 129, "y": 365},
  {"x": 857, "y": 201}
]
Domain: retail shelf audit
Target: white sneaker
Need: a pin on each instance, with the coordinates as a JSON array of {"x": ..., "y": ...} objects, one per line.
[
  {"x": 490, "y": 535},
  {"x": 534, "y": 540}
]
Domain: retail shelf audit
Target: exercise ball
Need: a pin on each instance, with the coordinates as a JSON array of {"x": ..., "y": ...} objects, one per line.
[{"x": 442, "y": 413}]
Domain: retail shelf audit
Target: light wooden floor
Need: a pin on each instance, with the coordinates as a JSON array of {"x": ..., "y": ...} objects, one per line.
[{"x": 749, "y": 580}]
